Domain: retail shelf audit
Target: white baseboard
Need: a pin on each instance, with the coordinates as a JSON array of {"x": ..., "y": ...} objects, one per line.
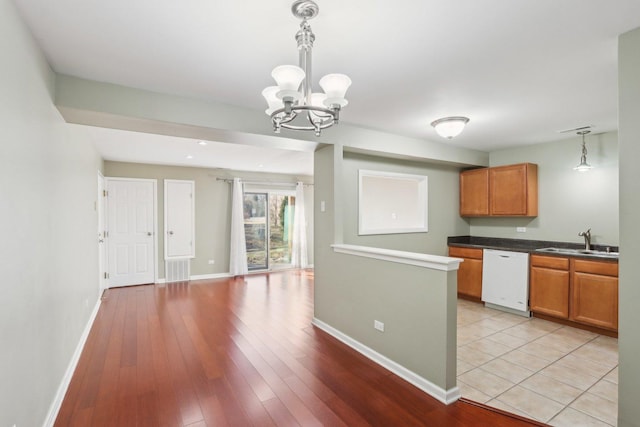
[
  {"x": 66, "y": 379},
  {"x": 226, "y": 275},
  {"x": 200, "y": 277},
  {"x": 211, "y": 276},
  {"x": 445, "y": 396}
]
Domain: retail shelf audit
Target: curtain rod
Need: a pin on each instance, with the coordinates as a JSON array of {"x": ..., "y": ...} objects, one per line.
[{"x": 282, "y": 184}]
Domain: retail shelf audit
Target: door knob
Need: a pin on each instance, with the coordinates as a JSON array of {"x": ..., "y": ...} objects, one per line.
[
  {"x": 149, "y": 233},
  {"x": 170, "y": 233}
]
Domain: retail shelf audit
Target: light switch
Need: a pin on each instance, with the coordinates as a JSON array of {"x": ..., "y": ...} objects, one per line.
[{"x": 322, "y": 206}]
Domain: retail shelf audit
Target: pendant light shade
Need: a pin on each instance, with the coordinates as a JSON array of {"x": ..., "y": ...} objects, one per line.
[{"x": 450, "y": 127}]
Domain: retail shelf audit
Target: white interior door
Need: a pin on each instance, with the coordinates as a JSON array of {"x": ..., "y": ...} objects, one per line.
[
  {"x": 179, "y": 217},
  {"x": 131, "y": 226}
]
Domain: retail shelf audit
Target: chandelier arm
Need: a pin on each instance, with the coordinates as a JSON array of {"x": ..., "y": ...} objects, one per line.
[
  {"x": 297, "y": 108},
  {"x": 310, "y": 127}
]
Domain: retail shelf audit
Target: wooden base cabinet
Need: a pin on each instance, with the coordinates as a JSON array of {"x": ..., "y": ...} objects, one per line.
[
  {"x": 469, "y": 272},
  {"x": 549, "y": 286},
  {"x": 575, "y": 290},
  {"x": 594, "y": 296}
]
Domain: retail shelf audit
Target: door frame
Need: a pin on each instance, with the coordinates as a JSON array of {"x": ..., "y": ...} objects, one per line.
[
  {"x": 257, "y": 189},
  {"x": 154, "y": 182},
  {"x": 103, "y": 261}
]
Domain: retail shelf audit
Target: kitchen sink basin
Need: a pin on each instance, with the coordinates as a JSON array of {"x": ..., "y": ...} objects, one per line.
[{"x": 582, "y": 252}]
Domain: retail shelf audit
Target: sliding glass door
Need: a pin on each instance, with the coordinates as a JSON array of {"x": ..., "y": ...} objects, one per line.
[{"x": 268, "y": 227}]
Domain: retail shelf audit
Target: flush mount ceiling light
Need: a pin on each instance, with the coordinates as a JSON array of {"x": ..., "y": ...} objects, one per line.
[
  {"x": 583, "y": 166},
  {"x": 449, "y": 127},
  {"x": 293, "y": 98}
]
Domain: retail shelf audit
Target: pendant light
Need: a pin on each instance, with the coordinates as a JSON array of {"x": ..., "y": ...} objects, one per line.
[{"x": 583, "y": 166}]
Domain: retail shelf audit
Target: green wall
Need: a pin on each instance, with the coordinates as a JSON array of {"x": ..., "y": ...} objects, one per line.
[
  {"x": 629, "y": 130},
  {"x": 443, "y": 194},
  {"x": 417, "y": 305},
  {"x": 569, "y": 201},
  {"x": 49, "y": 251},
  {"x": 213, "y": 208}
]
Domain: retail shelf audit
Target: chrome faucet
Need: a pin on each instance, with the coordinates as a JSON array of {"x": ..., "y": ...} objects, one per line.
[{"x": 587, "y": 239}]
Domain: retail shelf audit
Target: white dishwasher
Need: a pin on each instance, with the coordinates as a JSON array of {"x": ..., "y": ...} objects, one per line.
[{"x": 505, "y": 280}]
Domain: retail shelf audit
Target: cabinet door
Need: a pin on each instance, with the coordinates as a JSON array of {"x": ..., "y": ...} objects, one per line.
[
  {"x": 474, "y": 192},
  {"x": 470, "y": 278},
  {"x": 595, "y": 300},
  {"x": 549, "y": 292},
  {"x": 513, "y": 190}
]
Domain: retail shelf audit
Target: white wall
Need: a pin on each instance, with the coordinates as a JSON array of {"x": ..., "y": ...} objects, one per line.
[
  {"x": 569, "y": 201},
  {"x": 48, "y": 255}
]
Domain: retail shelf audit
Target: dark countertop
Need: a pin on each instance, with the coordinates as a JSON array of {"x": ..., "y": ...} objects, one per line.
[{"x": 521, "y": 245}]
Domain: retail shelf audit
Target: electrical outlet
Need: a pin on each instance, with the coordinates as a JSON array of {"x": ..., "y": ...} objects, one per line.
[
  {"x": 521, "y": 229},
  {"x": 378, "y": 325},
  {"x": 211, "y": 262},
  {"x": 86, "y": 303}
]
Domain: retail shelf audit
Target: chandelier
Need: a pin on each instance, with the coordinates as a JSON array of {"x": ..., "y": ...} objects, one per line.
[{"x": 292, "y": 104}]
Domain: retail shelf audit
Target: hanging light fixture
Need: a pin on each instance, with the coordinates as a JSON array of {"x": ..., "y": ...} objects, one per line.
[
  {"x": 449, "y": 127},
  {"x": 583, "y": 166},
  {"x": 293, "y": 98}
]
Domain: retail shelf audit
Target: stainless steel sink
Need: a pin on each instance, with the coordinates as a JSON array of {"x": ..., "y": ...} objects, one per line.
[{"x": 583, "y": 252}]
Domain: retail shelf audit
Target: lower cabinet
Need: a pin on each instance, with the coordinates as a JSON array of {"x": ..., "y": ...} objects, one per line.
[
  {"x": 469, "y": 272},
  {"x": 549, "y": 286},
  {"x": 575, "y": 289},
  {"x": 594, "y": 296}
]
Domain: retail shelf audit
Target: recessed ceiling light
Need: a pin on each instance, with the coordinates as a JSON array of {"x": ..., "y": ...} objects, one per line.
[
  {"x": 203, "y": 143},
  {"x": 260, "y": 165},
  {"x": 189, "y": 156}
]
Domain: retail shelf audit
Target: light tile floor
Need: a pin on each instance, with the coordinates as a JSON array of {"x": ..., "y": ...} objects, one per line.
[{"x": 542, "y": 370}]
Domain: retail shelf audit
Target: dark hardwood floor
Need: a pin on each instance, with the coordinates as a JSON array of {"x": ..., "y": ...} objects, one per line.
[{"x": 238, "y": 352}]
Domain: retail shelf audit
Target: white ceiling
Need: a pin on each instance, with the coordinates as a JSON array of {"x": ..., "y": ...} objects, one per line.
[{"x": 520, "y": 70}]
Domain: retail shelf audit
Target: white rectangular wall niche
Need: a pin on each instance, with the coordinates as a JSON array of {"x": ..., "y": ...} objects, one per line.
[{"x": 390, "y": 203}]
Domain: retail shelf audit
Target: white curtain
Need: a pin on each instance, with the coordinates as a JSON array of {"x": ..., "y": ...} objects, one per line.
[
  {"x": 238, "y": 256},
  {"x": 299, "y": 240}
]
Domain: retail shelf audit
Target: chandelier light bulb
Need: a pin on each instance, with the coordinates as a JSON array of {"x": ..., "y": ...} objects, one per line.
[
  {"x": 335, "y": 87},
  {"x": 288, "y": 79},
  {"x": 274, "y": 103},
  {"x": 317, "y": 100}
]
